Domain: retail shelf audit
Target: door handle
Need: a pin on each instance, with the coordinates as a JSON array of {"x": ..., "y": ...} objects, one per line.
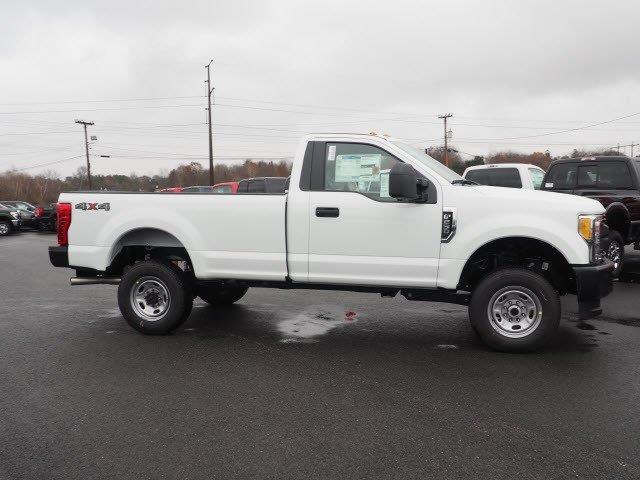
[{"x": 327, "y": 212}]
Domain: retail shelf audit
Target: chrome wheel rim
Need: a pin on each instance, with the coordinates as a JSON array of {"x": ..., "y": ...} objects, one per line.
[
  {"x": 150, "y": 298},
  {"x": 614, "y": 254},
  {"x": 4, "y": 228},
  {"x": 514, "y": 312}
]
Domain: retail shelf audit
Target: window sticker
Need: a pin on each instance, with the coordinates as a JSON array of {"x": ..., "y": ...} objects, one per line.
[
  {"x": 384, "y": 183},
  {"x": 331, "y": 156},
  {"x": 358, "y": 168}
]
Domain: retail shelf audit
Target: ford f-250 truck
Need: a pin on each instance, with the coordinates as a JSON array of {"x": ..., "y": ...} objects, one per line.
[{"x": 362, "y": 213}]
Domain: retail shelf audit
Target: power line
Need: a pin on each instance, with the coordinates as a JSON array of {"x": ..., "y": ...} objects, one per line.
[
  {"x": 63, "y": 102},
  {"x": 564, "y": 131},
  {"x": 97, "y": 109},
  {"x": 46, "y": 164}
]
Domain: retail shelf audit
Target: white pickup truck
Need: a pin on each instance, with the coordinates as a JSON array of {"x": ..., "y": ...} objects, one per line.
[
  {"x": 512, "y": 175},
  {"x": 362, "y": 213}
]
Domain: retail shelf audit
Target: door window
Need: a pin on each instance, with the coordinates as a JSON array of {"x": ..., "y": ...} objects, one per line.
[
  {"x": 561, "y": 177},
  {"x": 536, "y": 177},
  {"x": 353, "y": 167}
]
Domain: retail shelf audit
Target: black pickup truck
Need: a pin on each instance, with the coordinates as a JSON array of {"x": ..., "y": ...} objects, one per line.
[{"x": 614, "y": 182}]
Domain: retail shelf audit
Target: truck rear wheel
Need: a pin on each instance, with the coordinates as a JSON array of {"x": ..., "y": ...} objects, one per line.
[
  {"x": 515, "y": 310},
  {"x": 154, "y": 298},
  {"x": 219, "y": 297}
]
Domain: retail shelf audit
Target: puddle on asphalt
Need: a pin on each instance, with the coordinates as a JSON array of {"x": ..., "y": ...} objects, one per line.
[{"x": 314, "y": 322}]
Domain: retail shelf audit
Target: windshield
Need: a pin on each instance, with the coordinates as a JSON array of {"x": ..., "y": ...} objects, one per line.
[{"x": 429, "y": 162}]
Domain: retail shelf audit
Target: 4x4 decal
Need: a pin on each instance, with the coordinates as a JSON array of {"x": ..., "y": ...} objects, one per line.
[{"x": 93, "y": 206}]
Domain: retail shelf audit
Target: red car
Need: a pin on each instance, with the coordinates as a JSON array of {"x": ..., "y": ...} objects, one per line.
[{"x": 226, "y": 187}]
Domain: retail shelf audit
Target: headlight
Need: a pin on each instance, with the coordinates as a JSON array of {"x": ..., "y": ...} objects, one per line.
[{"x": 589, "y": 227}]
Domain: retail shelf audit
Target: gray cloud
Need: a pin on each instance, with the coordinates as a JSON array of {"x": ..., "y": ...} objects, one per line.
[{"x": 506, "y": 69}]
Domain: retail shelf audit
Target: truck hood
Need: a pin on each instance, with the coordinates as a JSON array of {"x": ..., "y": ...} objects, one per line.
[{"x": 526, "y": 199}]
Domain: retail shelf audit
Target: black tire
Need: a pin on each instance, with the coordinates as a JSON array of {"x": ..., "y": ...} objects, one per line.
[
  {"x": 163, "y": 282},
  {"x": 520, "y": 291},
  {"x": 615, "y": 252},
  {"x": 5, "y": 228},
  {"x": 220, "y": 297}
]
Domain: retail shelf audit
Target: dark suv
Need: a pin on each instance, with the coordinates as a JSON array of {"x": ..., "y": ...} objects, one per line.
[
  {"x": 263, "y": 185},
  {"x": 614, "y": 182}
]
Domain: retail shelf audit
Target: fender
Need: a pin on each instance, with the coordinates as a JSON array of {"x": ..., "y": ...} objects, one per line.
[{"x": 618, "y": 218}]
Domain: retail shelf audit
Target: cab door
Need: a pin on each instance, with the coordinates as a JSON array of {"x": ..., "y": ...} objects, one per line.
[{"x": 360, "y": 235}]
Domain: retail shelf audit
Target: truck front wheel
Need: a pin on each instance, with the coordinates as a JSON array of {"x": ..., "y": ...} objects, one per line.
[
  {"x": 154, "y": 298},
  {"x": 615, "y": 252},
  {"x": 219, "y": 297},
  {"x": 515, "y": 310}
]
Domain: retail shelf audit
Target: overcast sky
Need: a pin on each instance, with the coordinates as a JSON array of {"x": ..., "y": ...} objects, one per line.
[{"x": 512, "y": 72}]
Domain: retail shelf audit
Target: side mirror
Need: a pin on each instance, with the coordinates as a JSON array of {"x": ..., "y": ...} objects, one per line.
[{"x": 404, "y": 183}]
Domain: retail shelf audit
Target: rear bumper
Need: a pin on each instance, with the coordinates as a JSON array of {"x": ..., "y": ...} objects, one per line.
[
  {"x": 59, "y": 256},
  {"x": 593, "y": 282}
]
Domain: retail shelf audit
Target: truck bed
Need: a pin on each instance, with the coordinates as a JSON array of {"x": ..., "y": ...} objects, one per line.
[{"x": 216, "y": 229}]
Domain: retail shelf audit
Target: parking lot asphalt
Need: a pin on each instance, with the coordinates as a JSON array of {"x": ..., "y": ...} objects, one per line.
[{"x": 303, "y": 384}]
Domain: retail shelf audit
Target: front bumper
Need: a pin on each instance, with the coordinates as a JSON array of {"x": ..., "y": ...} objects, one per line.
[
  {"x": 59, "y": 256},
  {"x": 593, "y": 282}
]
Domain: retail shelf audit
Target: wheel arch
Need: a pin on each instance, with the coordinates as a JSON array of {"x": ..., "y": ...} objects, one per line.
[
  {"x": 140, "y": 243},
  {"x": 618, "y": 218},
  {"x": 518, "y": 251}
]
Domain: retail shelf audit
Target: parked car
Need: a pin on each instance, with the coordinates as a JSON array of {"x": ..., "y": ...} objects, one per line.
[
  {"x": 46, "y": 216},
  {"x": 514, "y": 175},
  {"x": 262, "y": 185},
  {"x": 171, "y": 190},
  {"x": 615, "y": 183},
  {"x": 9, "y": 220},
  {"x": 419, "y": 229},
  {"x": 25, "y": 210},
  {"x": 225, "y": 187}
]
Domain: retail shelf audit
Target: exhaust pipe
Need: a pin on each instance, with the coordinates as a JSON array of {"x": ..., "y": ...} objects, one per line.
[{"x": 94, "y": 280}]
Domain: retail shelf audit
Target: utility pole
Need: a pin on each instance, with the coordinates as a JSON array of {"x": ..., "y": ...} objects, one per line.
[
  {"x": 446, "y": 156},
  {"x": 632, "y": 145},
  {"x": 86, "y": 147},
  {"x": 209, "y": 92}
]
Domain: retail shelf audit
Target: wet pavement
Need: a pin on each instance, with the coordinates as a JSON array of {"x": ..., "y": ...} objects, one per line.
[{"x": 304, "y": 384}]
